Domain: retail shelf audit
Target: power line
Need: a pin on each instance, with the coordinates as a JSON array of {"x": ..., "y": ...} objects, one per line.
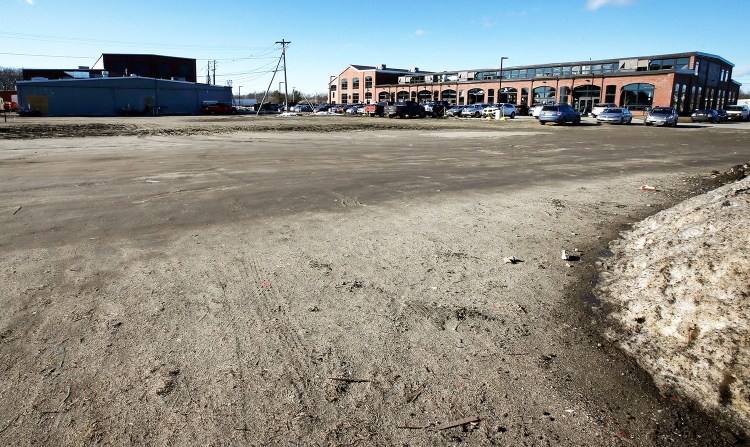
[
  {"x": 85, "y": 41},
  {"x": 48, "y": 55}
]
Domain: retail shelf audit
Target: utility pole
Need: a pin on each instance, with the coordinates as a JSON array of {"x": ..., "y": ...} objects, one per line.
[
  {"x": 208, "y": 72},
  {"x": 283, "y": 57},
  {"x": 214, "y": 71}
]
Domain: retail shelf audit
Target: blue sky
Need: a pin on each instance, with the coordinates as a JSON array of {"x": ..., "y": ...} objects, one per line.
[{"x": 327, "y": 36}]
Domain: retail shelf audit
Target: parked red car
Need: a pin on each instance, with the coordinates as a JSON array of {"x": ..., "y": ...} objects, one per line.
[{"x": 218, "y": 108}]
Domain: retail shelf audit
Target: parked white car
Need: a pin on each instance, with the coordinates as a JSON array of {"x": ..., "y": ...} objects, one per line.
[
  {"x": 535, "y": 110},
  {"x": 600, "y": 107},
  {"x": 506, "y": 109}
]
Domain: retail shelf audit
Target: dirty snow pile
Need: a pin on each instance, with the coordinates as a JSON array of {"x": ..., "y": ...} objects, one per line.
[{"x": 678, "y": 288}]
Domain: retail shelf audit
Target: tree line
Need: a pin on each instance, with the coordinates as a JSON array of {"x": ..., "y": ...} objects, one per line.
[{"x": 8, "y": 78}]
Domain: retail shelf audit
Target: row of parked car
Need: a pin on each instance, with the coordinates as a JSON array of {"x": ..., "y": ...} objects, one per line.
[{"x": 545, "y": 113}]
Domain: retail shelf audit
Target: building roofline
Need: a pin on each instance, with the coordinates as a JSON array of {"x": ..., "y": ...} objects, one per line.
[{"x": 594, "y": 62}]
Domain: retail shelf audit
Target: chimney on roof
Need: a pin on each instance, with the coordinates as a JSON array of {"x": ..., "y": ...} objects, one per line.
[
  {"x": 381, "y": 67},
  {"x": 415, "y": 69}
]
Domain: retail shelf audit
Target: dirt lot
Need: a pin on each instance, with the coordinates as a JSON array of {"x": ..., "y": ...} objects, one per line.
[{"x": 329, "y": 281}]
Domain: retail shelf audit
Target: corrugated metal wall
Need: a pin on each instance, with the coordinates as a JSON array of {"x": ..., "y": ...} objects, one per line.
[{"x": 113, "y": 96}]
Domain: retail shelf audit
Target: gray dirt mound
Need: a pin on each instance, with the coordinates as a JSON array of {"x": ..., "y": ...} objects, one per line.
[{"x": 677, "y": 288}]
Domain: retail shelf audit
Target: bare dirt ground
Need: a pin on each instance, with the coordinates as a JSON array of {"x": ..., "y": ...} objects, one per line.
[{"x": 329, "y": 281}]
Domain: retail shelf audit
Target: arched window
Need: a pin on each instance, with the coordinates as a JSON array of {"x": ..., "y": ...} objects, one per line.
[
  {"x": 344, "y": 84},
  {"x": 383, "y": 96},
  {"x": 368, "y": 81},
  {"x": 403, "y": 95},
  {"x": 355, "y": 83},
  {"x": 448, "y": 95},
  {"x": 424, "y": 95},
  {"x": 476, "y": 96},
  {"x": 637, "y": 96}
]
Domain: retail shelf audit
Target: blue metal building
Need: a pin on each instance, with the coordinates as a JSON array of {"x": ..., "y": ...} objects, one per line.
[{"x": 117, "y": 96}]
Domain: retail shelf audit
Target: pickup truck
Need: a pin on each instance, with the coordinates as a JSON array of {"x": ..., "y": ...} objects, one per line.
[
  {"x": 376, "y": 109},
  {"x": 404, "y": 108}
]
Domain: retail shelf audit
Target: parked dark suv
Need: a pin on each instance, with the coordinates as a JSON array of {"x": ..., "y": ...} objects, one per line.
[
  {"x": 560, "y": 114},
  {"x": 705, "y": 115}
]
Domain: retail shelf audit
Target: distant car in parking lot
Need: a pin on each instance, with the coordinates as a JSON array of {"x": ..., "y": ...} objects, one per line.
[
  {"x": 560, "y": 114},
  {"x": 705, "y": 115},
  {"x": 436, "y": 108},
  {"x": 600, "y": 107},
  {"x": 506, "y": 109},
  {"x": 455, "y": 111},
  {"x": 615, "y": 115},
  {"x": 661, "y": 116},
  {"x": 723, "y": 116},
  {"x": 535, "y": 110},
  {"x": 738, "y": 112},
  {"x": 474, "y": 110},
  {"x": 300, "y": 108}
]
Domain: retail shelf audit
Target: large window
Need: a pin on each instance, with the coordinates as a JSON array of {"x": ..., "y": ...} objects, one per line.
[
  {"x": 368, "y": 97},
  {"x": 525, "y": 96},
  {"x": 355, "y": 98},
  {"x": 355, "y": 83},
  {"x": 383, "y": 96},
  {"x": 610, "y": 94},
  {"x": 564, "y": 94},
  {"x": 449, "y": 95},
  {"x": 344, "y": 99},
  {"x": 637, "y": 96},
  {"x": 368, "y": 81},
  {"x": 544, "y": 95},
  {"x": 344, "y": 84}
]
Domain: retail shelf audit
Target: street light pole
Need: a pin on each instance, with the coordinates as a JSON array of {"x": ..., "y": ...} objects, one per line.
[
  {"x": 500, "y": 88},
  {"x": 294, "y": 95},
  {"x": 239, "y": 93}
]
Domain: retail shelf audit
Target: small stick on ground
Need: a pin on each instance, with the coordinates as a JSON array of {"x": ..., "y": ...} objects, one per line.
[
  {"x": 459, "y": 422},
  {"x": 345, "y": 379},
  {"x": 16, "y": 211}
]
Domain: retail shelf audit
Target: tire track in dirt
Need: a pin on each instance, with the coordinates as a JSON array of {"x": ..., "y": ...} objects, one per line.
[{"x": 289, "y": 345}]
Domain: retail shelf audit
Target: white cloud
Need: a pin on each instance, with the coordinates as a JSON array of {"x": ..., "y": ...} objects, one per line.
[
  {"x": 487, "y": 23},
  {"x": 420, "y": 32},
  {"x": 593, "y": 5},
  {"x": 741, "y": 72},
  {"x": 29, "y": 2}
]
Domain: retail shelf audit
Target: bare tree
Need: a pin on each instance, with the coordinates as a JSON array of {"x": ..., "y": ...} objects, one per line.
[
  {"x": 744, "y": 94},
  {"x": 8, "y": 78}
]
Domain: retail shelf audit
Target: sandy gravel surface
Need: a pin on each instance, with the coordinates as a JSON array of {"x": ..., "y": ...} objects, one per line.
[{"x": 290, "y": 288}]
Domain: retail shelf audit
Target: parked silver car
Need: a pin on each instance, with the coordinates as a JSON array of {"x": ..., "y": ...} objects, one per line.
[
  {"x": 474, "y": 110},
  {"x": 615, "y": 116},
  {"x": 454, "y": 111},
  {"x": 662, "y": 116}
]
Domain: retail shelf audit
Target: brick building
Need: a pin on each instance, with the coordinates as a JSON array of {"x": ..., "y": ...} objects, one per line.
[
  {"x": 684, "y": 80},
  {"x": 359, "y": 83}
]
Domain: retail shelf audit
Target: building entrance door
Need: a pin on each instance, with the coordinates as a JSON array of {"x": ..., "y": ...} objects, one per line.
[{"x": 584, "y": 105}]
